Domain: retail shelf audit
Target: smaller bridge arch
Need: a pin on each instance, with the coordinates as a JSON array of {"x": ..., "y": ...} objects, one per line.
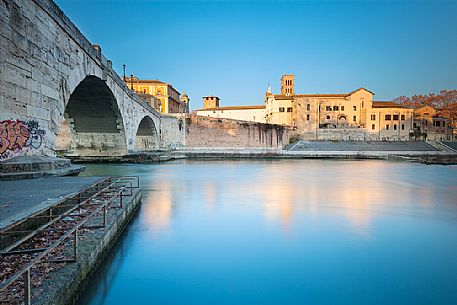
[{"x": 147, "y": 136}]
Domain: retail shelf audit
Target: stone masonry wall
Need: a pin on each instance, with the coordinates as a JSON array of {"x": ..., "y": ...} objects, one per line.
[
  {"x": 43, "y": 58},
  {"x": 212, "y": 132}
]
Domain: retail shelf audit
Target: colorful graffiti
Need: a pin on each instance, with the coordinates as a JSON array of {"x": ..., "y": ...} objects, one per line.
[{"x": 18, "y": 135}]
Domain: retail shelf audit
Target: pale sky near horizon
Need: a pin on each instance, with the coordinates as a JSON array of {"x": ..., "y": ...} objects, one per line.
[{"x": 233, "y": 49}]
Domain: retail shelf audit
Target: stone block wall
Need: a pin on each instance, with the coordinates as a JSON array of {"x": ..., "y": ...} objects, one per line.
[
  {"x": 172, "y": 131},
  {"x": 212, "y": 132}
]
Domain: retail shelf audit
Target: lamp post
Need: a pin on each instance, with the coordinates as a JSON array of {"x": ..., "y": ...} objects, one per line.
[
  {"x": 123, "y": 66},
  {"x": 131, "y": 81}
]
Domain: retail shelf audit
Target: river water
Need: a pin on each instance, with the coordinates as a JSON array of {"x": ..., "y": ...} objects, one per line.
[{"x": 284, "y": 232}]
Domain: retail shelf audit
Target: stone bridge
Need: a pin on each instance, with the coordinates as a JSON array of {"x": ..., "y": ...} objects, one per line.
[{"x": 58, "y": 92}]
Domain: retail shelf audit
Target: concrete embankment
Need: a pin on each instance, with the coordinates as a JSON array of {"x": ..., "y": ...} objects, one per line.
[
  {"x": 97, "y": 208},
  {"x": 407, "y": 151},
  {"x": 64, "y": 285}
]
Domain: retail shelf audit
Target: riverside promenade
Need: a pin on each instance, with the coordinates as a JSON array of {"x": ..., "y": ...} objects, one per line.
[
  {"x": 55, "y": 231},
  {"x": 423, "y": 152}
]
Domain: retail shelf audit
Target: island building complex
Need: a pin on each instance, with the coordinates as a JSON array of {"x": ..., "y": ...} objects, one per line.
[
  {"x": 342, "y": 116},
  {"x": 160, "y": 95}
]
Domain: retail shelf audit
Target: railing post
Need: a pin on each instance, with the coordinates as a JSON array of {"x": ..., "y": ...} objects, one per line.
[
  {"x": 104, "y": 216},
  {"x": 75, "y": 248},
  {"x": 27, "y": 288}
]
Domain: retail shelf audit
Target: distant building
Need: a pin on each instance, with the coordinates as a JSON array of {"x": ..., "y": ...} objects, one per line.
[
  {"x": 342, "y": 116},
  {"x": 168, "y": 96},
  {"x": 185, "y": 100},
  {"x": 428, "y": 122}
]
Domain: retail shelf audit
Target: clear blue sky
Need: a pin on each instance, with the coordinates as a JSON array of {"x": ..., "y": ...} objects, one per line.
[{"x": 233, "y": 49}]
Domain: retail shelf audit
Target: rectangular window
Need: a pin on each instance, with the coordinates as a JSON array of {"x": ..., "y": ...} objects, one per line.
[
  {"x": 438, "y": 124},
  {"x": 335, "y": 108},
  {"x": 328, "y": 108},
  {"x": 444, "y": 124},
  {"x": 388, "y": 117},
  {"x": 354, "y": 118},
  {"x": 281, "y": 109},
  {"x": 402, "y": 126},
  {"x": 342, "y": 108},
  {"x": 373, "y": 117},
  {"x": 354, "y": 108},
  {"x": 372, "y": 126},
  {"x": 308, "y": 106},
  {"x": 328, "y": 117},
  {"x": 395, "y": 126},
  {"x": 414, "y": 125},
  {"x": 307, "y": 117},
  {"x": 395, "y": 117},
  {"x": 289, "y": 109},
  {"x": 402, "y": 117},
  {"x": 387, "y": 127}
]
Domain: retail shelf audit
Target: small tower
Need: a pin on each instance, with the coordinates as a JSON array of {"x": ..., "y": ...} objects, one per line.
[
  {"x": 210, "y": 102},
  {"x": 185, "y": 102},
  {"x": 287, "y": 85}
]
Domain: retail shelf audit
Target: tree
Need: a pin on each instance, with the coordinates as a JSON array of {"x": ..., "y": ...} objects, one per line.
[{"x": 445, "y": 102}]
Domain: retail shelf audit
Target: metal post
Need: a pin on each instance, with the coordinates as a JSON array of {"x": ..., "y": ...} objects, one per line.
[
  {"x": 124, "y": 72},
  {"x": 120, "y": 200},
  {"x": 27, "y": 288},
  {"x": 75, "y": 248},
  {"x": 131, "y": 81},
  {"x": 104, "y": 216}
]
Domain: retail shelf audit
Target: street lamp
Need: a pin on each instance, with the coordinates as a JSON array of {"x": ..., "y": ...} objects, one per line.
[{"x": 124, "y": 72}]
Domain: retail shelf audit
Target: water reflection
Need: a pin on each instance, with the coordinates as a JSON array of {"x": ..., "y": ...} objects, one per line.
[{"x": 286, "y": 232}]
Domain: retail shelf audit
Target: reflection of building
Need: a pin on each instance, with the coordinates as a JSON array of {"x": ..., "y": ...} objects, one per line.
[
  {"x": 344, "y": 116},
  {"x": 168, "y": 96},
  {"x": 428, "y": 121}
]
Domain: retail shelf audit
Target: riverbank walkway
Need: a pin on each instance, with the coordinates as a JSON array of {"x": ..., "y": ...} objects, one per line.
[{"x": 21, "y": 198}]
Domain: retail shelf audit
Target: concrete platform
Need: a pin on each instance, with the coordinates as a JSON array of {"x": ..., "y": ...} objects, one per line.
[
  {"x": 20, "y": 198},
  {"x": 27, "y": 167},
  {"x": 380, "y": 146}
]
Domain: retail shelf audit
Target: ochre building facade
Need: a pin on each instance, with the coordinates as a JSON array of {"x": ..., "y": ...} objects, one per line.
[
  {"x": 166, "y": 99},
  {"x": 343, "y": 116}
]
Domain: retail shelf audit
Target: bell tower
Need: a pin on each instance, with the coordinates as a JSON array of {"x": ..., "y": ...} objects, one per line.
[
  {"x": 185, "y": 102},
  {"x": 287, "y": 85}
]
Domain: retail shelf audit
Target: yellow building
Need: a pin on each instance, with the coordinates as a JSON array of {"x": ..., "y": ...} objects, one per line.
[
  {"x": 168, "y": 96},
  {"x": 431, "y": 125},
  {"x": 342, "y": 116}
]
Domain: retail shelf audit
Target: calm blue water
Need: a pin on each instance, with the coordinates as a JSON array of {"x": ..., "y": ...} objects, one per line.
[{"x": 285, "y": 232}]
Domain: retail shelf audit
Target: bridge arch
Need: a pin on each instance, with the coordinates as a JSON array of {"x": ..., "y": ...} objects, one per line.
[
  {"x": 147, "y": 137},
  {"x": 92, "y": 124}
]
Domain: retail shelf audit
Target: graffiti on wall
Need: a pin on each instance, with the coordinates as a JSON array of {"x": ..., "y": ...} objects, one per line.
[{"x": 17, "y": 135}]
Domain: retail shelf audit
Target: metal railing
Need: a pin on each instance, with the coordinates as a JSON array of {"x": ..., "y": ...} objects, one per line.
[{"x": 56, "y": 225}]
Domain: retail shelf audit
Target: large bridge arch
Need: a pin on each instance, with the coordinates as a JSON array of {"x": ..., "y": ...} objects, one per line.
[
  {"x": 92, "y": 124},
  {"x": 147, "y": 136}
]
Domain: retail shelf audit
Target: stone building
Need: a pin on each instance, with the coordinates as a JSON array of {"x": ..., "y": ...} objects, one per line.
[
  {"x": 342, "y": 116},
  {"x": 431, "y": 124},
  {"x": 212, "y": 109},
  {"x": 169, "y": 97}
]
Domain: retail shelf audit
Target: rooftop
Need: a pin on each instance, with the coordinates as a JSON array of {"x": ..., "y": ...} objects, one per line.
[{"x": 233, "y": 108}]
